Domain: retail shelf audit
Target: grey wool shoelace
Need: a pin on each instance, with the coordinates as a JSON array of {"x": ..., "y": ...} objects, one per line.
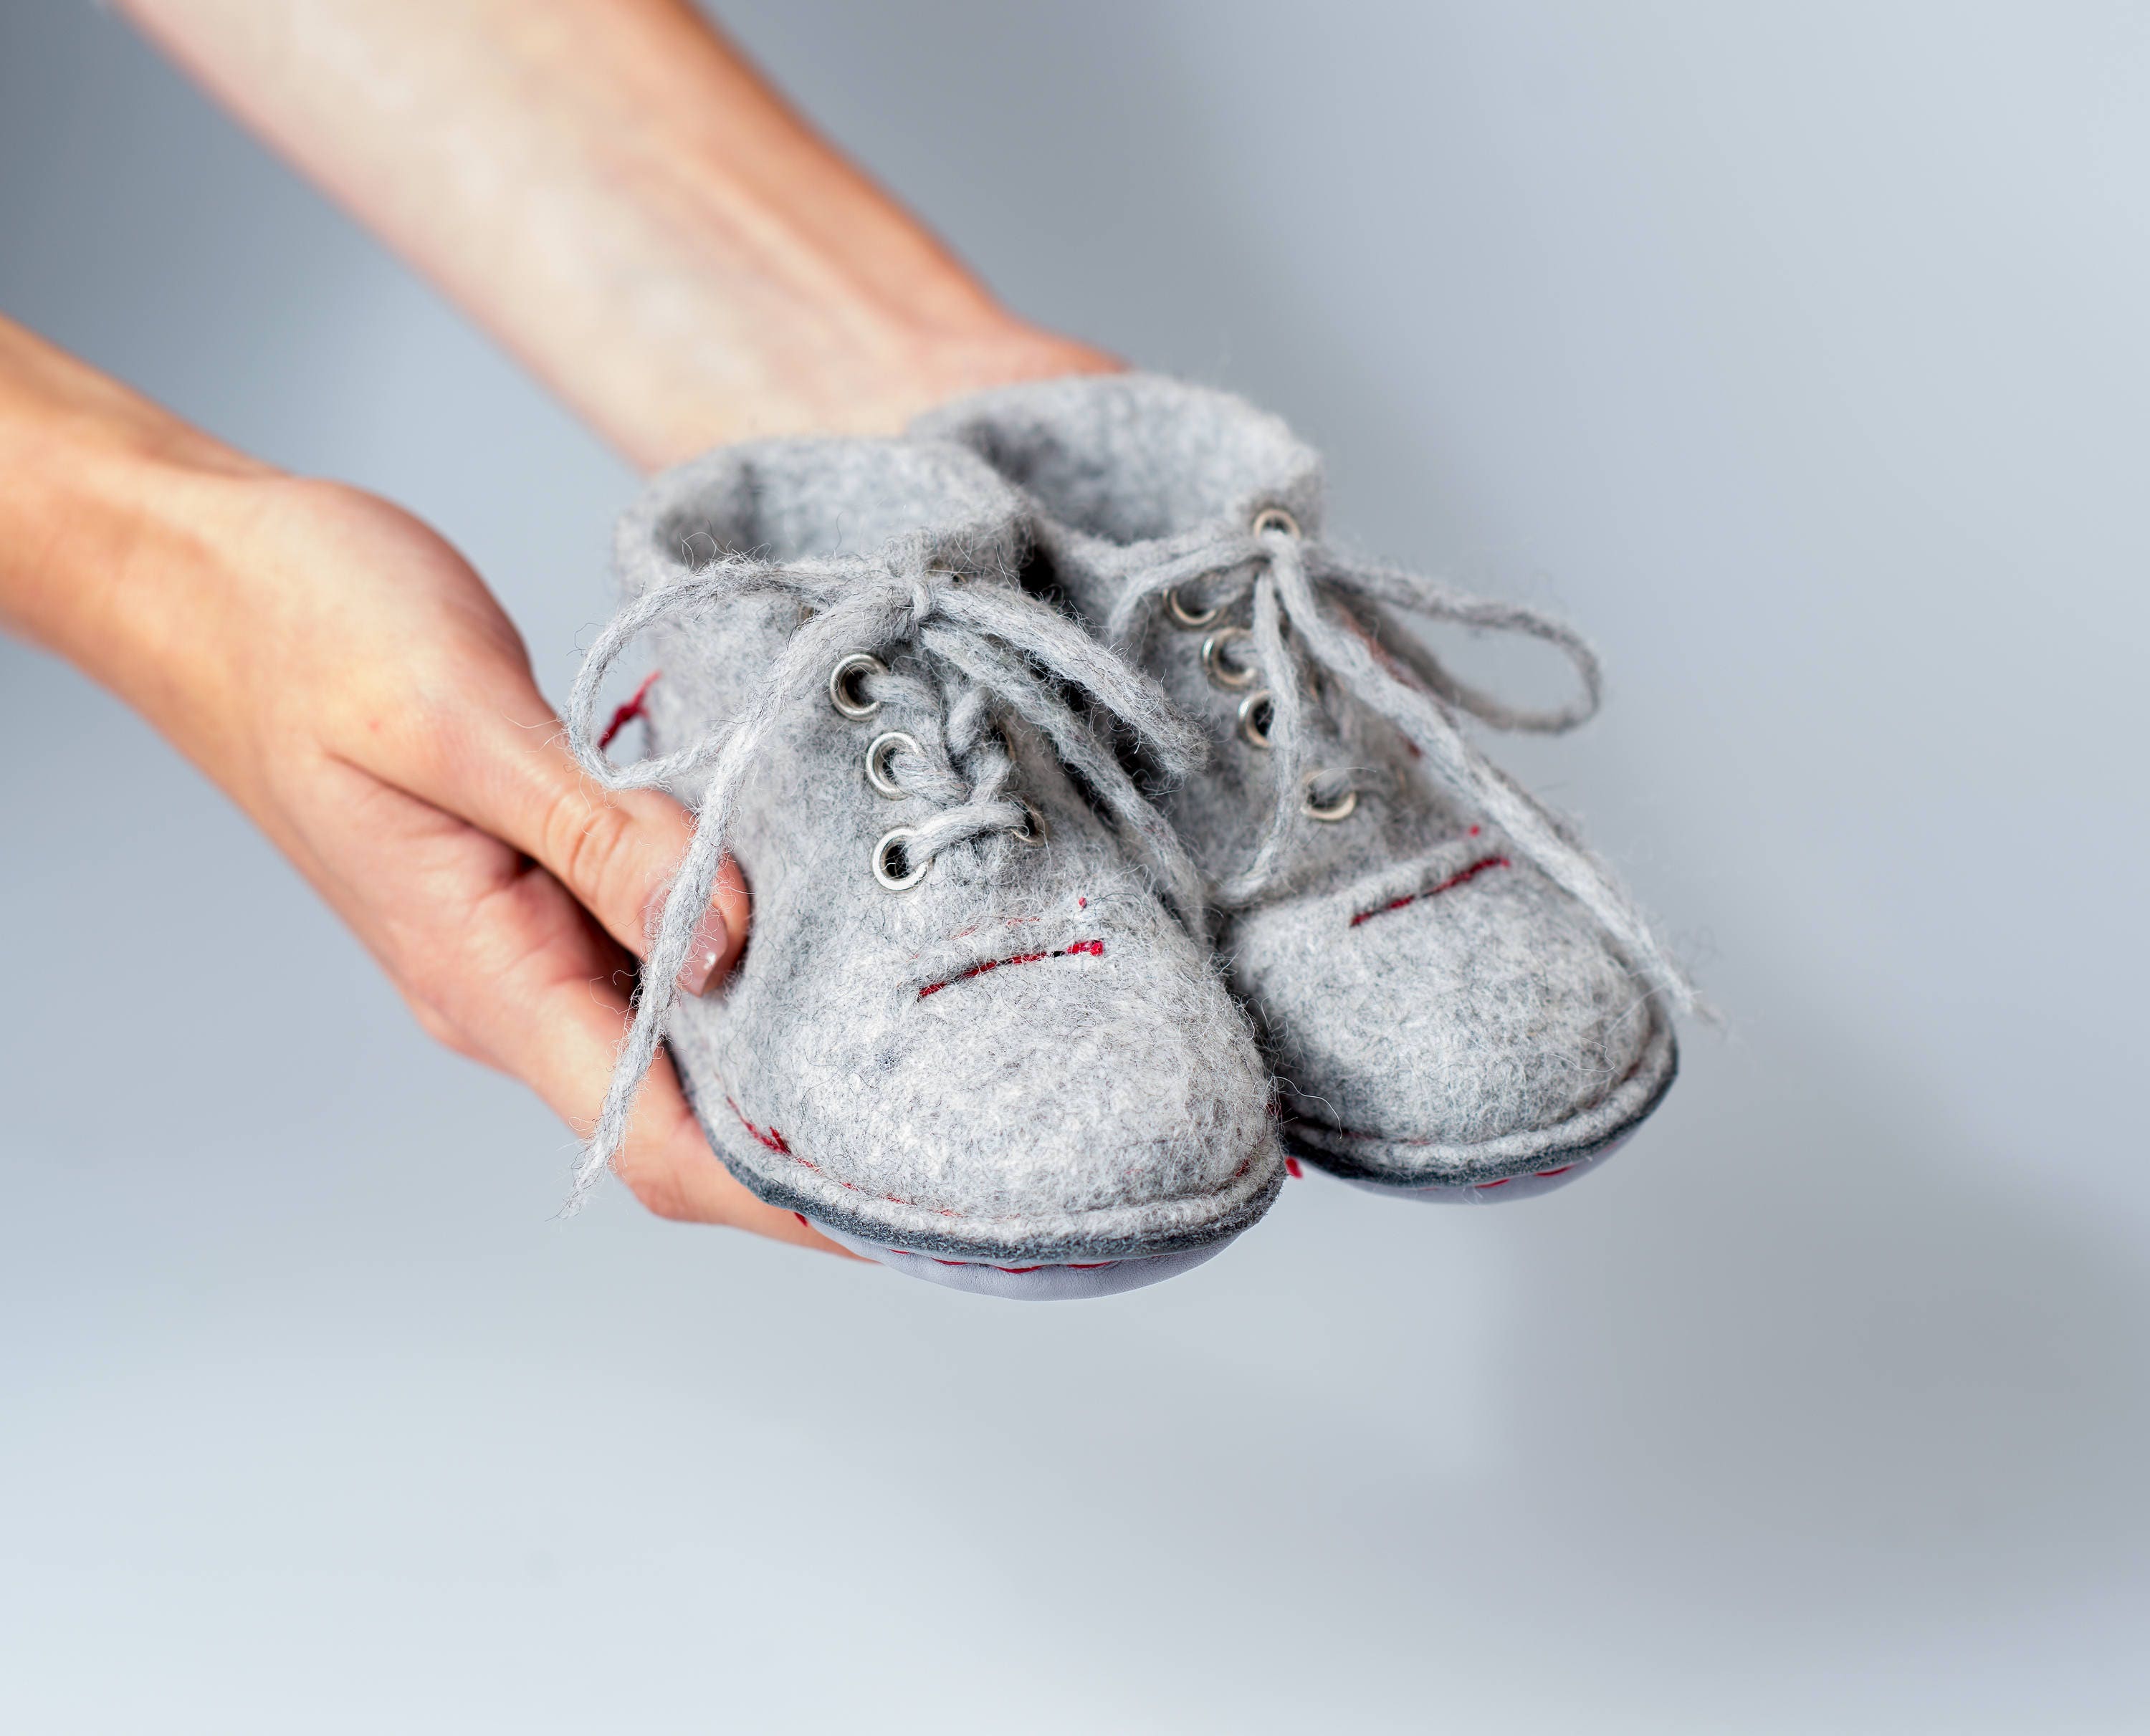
[
  {"x": 985, "y": 651},
  {"x": 1287, "y": 574}
]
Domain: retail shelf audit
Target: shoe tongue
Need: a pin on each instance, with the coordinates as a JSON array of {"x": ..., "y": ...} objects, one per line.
[
  {"x": 1133, "y": 457},
  {"x": 797, "y": 500}
]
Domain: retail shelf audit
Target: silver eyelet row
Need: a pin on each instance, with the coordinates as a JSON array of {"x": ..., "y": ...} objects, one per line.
[
  {"x": 891, "y": 866},
  {"x": 1257, "y": 707}
]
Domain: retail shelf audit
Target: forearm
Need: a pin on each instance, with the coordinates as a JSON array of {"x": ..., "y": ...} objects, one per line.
[
  {"x": 608, "y": 186},
  {"x": 96, "y": 556}
]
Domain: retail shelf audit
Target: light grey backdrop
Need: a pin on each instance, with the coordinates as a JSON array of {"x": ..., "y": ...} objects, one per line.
[{"x": 1799, "y": 352}]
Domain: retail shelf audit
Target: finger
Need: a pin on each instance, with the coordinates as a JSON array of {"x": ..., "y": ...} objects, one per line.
[
  {"x": 500, "y": 962},
  {"x": 553, "y": 1009},
  {"x": 503, "y": 762}
]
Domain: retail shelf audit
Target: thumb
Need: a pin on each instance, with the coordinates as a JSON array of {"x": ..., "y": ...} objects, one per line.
[{"x": 508, "y": 770}]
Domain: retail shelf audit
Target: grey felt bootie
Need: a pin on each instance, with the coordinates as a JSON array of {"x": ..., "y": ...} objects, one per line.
[
  {"x": 1458, "y": 999},
  {"x": 968, "y": 1037}
]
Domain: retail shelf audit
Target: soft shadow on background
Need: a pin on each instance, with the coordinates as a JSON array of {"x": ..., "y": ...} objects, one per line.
[{"x": 1800, "y": 358}]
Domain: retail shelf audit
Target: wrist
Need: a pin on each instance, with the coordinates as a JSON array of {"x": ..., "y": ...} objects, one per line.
[{"x": 117, "y": 561}]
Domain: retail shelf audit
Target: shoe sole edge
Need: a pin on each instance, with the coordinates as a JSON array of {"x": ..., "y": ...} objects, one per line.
[{"x": 1571, "y": 1148}]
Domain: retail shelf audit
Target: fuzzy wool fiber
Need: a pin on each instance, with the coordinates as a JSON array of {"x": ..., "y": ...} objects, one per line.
[
  {"x": 1029, "y": 1054},
  {"x": 1452, "y": 990}
]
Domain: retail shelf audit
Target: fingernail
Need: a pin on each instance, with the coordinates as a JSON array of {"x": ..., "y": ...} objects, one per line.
[{"x": 703, "y": 952}]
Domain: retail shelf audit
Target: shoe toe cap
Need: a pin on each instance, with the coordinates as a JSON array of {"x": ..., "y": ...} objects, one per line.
[
  {"x": 1470, "y": 1013},
  {"x": 1052, "y": 1102}
]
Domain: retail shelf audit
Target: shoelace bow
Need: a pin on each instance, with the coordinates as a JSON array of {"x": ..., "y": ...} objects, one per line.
[
  {"x": 989, "y": 650},
  {"x": 1283, "y": 571}
]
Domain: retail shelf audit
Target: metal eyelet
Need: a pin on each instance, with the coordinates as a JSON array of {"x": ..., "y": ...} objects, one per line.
[
  {"x": 1256, "y": 711},
  {"x": 878, "y": 750},
  {"x": 1341, "y": 808},
  {"x": 1033, "y": 834},
  {"x": 843, "y": 695},
  {"x": 889, "y": 852},
  {"x": 1228, "y": 675},
  {"x": 1275, "y": 518},
  {"x": 1193, "y": 620}
]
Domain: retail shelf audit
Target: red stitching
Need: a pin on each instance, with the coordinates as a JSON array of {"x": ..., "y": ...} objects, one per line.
[
  {"x": 771, "y": 1140},
  {"x": 1536, "y": 1176},
  {"x": 1081, "y": 949},
  {"x": 1291, "y": 1168},
  {"x": 1453, "y": 881},
  {"x": 628, "y": 712}
]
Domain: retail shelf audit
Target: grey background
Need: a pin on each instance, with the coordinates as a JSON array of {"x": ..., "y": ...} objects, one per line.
[{"x": 1798, "y": 352}]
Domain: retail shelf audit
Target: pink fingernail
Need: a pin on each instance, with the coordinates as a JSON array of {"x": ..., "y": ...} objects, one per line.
[{"x": 704, "y": 953}]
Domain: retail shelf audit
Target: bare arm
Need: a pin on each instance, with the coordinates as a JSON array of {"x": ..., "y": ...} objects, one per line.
[
  {"x": 607, "y": 186},
  {"x": 350, "y": 682},
  {"x": 610, "y": 189}
]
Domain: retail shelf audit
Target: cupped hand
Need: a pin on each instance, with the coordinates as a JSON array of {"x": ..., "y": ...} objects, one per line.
[{"x": 348, "y": 678}]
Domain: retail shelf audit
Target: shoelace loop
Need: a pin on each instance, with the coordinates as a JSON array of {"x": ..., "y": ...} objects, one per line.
[
  {"x": 986, "y": 650},
  {"x": 1404, "y": 683}
]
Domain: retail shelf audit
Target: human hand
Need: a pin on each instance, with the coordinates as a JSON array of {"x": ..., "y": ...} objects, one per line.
[
  {"x": 350, "y": 681},
  {"x": 364, "y": 698}
]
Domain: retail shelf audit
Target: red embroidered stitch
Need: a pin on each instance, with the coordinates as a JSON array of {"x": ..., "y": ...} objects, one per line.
[
  {"x": 628, "y": 712},
  {"x": 1291, "y": 1168},
  {"x": 1081, "y": 949},
  {"x": 1535, "y": 1176},
  {"x": 771, "y": 1140},
  {"x": 1453, "y": 881}
]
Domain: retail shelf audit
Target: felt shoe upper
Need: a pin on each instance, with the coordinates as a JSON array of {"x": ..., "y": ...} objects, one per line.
[
  {"x": 1456, "y": 1021},
  {"x": 1449, "y": 988},
  {"x": 991, "y": 1038}
]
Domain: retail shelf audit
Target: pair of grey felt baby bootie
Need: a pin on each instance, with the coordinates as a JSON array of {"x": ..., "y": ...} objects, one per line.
[{"x": 1109, "y": 839}]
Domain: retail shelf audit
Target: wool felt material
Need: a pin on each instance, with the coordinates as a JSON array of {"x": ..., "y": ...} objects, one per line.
[
  {"x": 1020, "y": 1054},
  {"x": 1453, "y": 991},
  {"x": 1569, "y": 1167}
]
